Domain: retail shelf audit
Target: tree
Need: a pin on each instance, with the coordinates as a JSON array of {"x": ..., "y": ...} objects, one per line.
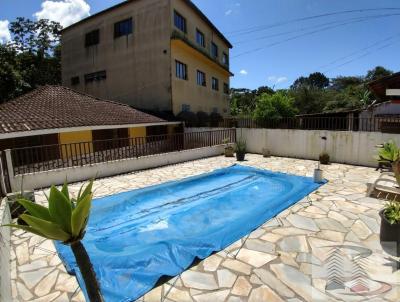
[
  {"x": 275, "y": 106},
  {"x": 315, "y": 80},
  {"x": 341, "y": 82},
  {"x": 377, "y": 73},
  {"x": 310, "y": 99},
  {"x": 64, "y": 220},
  {"x": 31, "y": 59}
]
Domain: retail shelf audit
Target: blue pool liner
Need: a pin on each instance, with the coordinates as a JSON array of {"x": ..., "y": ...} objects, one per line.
[{"x": 134, "y": 238}]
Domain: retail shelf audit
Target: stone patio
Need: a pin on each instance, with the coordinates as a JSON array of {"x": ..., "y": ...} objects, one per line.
[{"x": 280, "y": 261}]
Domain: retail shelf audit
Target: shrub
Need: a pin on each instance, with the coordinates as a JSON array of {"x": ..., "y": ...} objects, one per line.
[
  {"x": 215, "y": 119},
  {"x": 392, "y": 212},
  {"x": 189, "y": 118},
  {"x": 203, "y": 119}
]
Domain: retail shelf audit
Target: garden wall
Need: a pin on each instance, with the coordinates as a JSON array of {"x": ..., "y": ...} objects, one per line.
[
  {"x": 80, "y": 173},
  {"x": 5, "y": 268},
  {"x": 349, "y": 147}
]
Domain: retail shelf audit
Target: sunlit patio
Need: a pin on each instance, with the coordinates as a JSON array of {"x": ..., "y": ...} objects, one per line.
[{"x": 285, "y": 259}]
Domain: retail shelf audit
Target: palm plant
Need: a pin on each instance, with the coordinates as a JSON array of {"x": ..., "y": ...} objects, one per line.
[
  {"x": 64, "y": 220},
  {"x": 389, "y": 153}
]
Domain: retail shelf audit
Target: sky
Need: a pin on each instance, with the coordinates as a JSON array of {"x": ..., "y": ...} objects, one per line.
[{"x": 274, "y": 41}]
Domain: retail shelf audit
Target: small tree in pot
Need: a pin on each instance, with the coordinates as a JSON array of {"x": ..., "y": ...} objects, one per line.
[
  {"x": 390, "y": 154},
  {"x": 240, "y": 149},
  {"x": 64, "y": 220},
  {"x": 390, "y": 227}
]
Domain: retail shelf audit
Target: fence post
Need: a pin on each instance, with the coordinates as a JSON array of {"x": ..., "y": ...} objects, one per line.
[{"x": 10, "y": 169}]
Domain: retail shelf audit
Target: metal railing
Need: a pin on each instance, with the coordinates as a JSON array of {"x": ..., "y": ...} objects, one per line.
[
  {"x": 375, "y": 124},
  {"x": 51, "y": 157}
]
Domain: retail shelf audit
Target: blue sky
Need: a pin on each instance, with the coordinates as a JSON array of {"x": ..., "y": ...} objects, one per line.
[{"x": 270, "y": 48}]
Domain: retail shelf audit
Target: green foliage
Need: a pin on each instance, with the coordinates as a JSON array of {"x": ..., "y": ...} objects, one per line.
[
  {"x": 65, "y": 219},
  {"x": 392, "y": 212},
  {"x": 314, "y": 80},
  {"x": 240, "y": 146},
  {"x": 324, "y": 158},
  {"x": 310, "y": 99},
  {"x": 203, "y": 119},
  {"x": 389, "y": 153},
  {"x": 274, "y": 106},
  {"x": 377, "y": 73},
  {"x": 31, "y": 59}
]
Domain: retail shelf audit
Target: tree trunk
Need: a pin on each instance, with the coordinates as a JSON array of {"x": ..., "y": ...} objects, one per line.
[
  {"x": 87, "y": 272},
  {"x": 396, "y": 171}
]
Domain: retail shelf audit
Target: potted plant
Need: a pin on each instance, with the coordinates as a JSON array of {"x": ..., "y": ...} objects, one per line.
[
  {"x": 240, "y": 149},
  {"x": 229, "y": 150},
  {"x": 390, "y": 226},
  {"x": 64, "y": 220},
  {"x": 324, "y": 158},
  {"x": 318, "y": 174},
  {"x": 389, "y": 153}
]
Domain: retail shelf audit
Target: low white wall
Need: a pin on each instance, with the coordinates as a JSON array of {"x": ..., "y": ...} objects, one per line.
[
  {"x": 5, "y": 268},
  {"x": 75, "y": 174},
  {"x": 357, "y": 148}
]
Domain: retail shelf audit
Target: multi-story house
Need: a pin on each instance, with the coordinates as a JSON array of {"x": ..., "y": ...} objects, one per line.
[{"x": 158, "y": 55}]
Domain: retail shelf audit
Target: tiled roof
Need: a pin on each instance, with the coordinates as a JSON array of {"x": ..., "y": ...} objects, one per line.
[{"x": 50, "y": 107}]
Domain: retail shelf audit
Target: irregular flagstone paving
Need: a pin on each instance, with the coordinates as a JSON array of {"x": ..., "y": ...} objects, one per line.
[{"x": 280, "y": 261}]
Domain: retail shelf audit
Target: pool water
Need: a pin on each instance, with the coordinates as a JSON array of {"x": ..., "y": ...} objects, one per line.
[{"x": 136, "y": 237}]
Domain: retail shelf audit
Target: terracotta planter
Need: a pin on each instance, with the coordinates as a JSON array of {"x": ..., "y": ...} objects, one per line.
[
  {"x": 390, "y": 236},
  {"x": 240, "y": 156},
  {"x": 229, "y": 151}
]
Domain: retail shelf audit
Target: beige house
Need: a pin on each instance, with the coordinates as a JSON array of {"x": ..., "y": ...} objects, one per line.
[{"x": 159, "y": 55}]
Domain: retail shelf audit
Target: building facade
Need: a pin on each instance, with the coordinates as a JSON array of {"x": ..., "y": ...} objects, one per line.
[{"x": 158, "y": 55}]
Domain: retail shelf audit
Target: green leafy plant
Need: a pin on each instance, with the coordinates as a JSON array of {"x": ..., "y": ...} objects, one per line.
[
  {"x": 389, "y": 153},
  {"x": 324, "y": 158},
  {"x": 64, "y": 220},
  {"x": 392, "y": 212},
  {"x": 240, "y": 146}
]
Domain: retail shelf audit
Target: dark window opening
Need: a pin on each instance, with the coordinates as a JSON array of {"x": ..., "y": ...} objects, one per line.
[
  {"x": 201, "y": 78},
  {"x": 95, "y": 76},
  {"x": 226, "y": 88},
  {"x": 214, "y": 50},
  {"x": 225, "y": 59},
  {"x": 215, "y": 84},
  {"x": 92, "y": 38},
  {"x": 107, "y": 139},
  {"x": 75, "y": 81},
  {"x": 181, "y": 70},
  {"x": 200, "y": 38},
  {"x": 123, "y": 28},
  {"x": 180, "y": 22}
]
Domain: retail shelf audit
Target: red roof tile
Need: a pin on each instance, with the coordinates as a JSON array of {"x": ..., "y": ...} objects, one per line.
[{"x": 50, "y": 107}]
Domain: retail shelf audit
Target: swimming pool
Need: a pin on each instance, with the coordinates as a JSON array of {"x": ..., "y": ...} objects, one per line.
[{"x": 134, "y": 238}]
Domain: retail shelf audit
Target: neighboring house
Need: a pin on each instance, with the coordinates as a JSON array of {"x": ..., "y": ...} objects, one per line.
[
  {"x": 387, "y": 88},
  {"x": 158, "y": 55},
  {"x": 56, "y": 115}
]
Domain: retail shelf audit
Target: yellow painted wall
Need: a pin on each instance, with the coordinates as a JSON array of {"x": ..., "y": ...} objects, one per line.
[
  {"x": 188, "y": 92},
  {"x": 75, "y": 137},
  {"x": 137, "y": 132}
]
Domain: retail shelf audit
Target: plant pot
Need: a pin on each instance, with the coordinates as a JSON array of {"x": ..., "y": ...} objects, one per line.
[
  {"x": 240, "y": 156},
  {"x": 389, "y": 236},
  {"x": 318, "y": 176},
  {"x": 266, "y": 152},
  {"x": 229, "y": 151}
]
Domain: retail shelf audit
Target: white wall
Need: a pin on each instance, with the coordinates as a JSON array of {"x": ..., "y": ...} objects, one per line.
[
  {"x": 357, "y": 148},
  {"x": 5, "y": 268},
  {"x": 45, "y": 179}
]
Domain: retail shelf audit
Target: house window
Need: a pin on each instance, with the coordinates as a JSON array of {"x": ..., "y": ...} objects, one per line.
[
  {"x": 92, "y": 38},
  {"x": 201, "y": 78},
  {"x": 180, "y": 21},
  {"x": 95, "y": 76},
  {"x": 74, "y": 81},
  {"x": 123, "y": 28},
  {"x": 200, "y": 38},
  {"x": 226, "y": 88},
  {"x": 214, "y": 50},
  {"x": 185, "y": 107},
  {"x": 181, "y": 70},
  {"x": 215, "y": 84},
  {"x": 225, "y": 59}
]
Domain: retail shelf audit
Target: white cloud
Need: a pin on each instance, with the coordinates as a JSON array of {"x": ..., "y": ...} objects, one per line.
[
  {"x": 228, "y": 12},
  {"x": 5, "y": 34},
  {"x": 66, "y": 12},
  {"x": 243, "y": 72},
  {"x": 277, "y": 79}
]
